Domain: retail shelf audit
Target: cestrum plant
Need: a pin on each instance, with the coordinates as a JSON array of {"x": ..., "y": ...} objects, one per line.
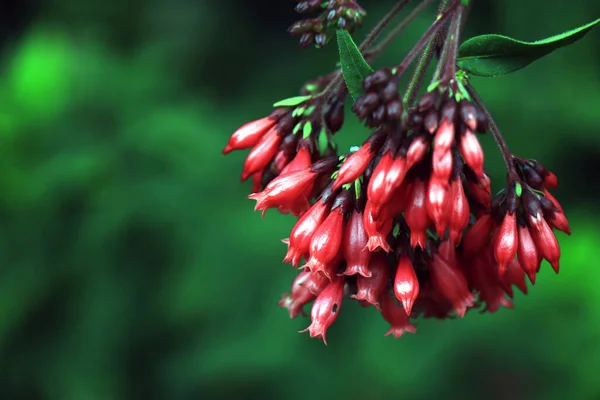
[{"x": 405, "y": 222}]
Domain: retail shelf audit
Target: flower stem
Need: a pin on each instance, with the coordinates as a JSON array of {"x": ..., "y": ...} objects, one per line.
[
  {"x": 507, "y": 155},
  {"x": 375, "y": 51},
  {"x": 422, "y": 64},
  {"x": 427, "y": 36},
  {"x": 454, "y": 40}
]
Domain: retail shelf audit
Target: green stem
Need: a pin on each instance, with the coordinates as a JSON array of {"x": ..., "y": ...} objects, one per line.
[{"x": 422, "y": 65}]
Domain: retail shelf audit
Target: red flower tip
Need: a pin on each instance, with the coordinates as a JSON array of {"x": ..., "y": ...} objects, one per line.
[
  {"x": 551, "y": 181},
  {"x": 353, "y": 247},
  {"x": 303, "y": 231},
  {"x": 396, "y": 316},
  {"x": 354, "y": 166},
  {"x": 249, "y": 134},
  {"x": 560, "y": 222},
  {"x": 514, "y": 276},
  {"x": 450, "y": 282},
  {"x": 376, "y": 231},
  {"x": 370, "y": 289},
  {"x": 506, "y": 243},
  {"x": 472, "y": 152},
  {"x": 261, "y": 154},
  {"x": 326, "y": 309},
  {"x": 406, "y": 285}
]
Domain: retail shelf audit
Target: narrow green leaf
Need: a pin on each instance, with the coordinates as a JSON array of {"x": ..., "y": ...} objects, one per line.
[
  {"x": 495, "y": 55},
  {"x": 291, "y": 101},
  {"x": 354, "y": 66}
]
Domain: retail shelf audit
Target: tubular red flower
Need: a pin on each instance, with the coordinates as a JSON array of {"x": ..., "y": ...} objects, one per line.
[
  {"x": 506, "y": 243},
  {"x": 354, "y": 166},
  {"x": 546, "y": 243},
  {"x": 478, "y": 235},
  {"x": 261, "y": 154},
  {"x": 377, "y": 184},
  {"x": 451, "y": 283},
  {"x": 416, "y": 215},
  {"x": 437, "y": 195},
  {"x": 326, "y": 309},
  {"x": 458, "y": 211},
  {"x": 301, "y": 161},
  {"x": 354, "y": 247},
  {"x": 326, "y": 242},
  {"x": 394, "y": 314},
  {"x": 288, "y": 191},
  {"x": 376, "y": 232},
  {"x": 406, "y": 285},
  {"x": 301, "y": 235},
  {"x": 529, "y": 258},
  {"x": 472, "y": 152},
  {"x": 249, "y": 134},
  {"x": 370, "y": 289},
  {"x": 298, "y": 297}
]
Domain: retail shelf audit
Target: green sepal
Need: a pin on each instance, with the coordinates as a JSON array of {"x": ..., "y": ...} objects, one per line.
[
  {"x": 291, "y": 101},
  {"x": 306, "y": 130},
  {"x": 323, "y": 142},
  {"x": 518, "y": 189}
]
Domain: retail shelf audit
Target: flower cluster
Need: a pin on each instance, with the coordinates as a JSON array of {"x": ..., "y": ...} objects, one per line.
[
  {"x": 406, "y": 222},
  {"x": 335, "y": 14}
]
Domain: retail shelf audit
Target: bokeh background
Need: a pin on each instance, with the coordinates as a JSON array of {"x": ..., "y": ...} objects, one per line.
[{"x": 133, "y": 267}]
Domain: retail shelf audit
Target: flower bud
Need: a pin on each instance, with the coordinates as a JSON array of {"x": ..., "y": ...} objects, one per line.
[
  {"x": 325, "y": 243},
  {"x": 371, "y": 288},
  {"x": 249, "y": 134},
  {"x": 507, "y": 242},
  {"x": 451, "y": 283},
  {"x": 261, "y": 154},
  {"x": 326, "y": 309},
  {"x": 416, "y": 215},
  {"x": 354, "y": 166},
  {"x": 529, "y": 258},
  {"x": 354, "y": 246},
  {"x": 395, "y": 315},
  {"x": 472, "y": 152},
  {"x": 406, "y": 285},
  {"x": 478, "y": 235},
  {"x": 303, "y": 231},
  {"x": 546, "y": 243}
]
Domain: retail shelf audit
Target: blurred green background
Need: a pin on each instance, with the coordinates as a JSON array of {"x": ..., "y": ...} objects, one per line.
[{"x": 133, "y": 267}]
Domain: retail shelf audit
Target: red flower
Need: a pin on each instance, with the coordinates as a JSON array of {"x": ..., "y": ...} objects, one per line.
[
  {"x": 406, "y": 285},
  {"x": 290, "y": 191},
  {"x": 354, "y": 247},
  {"x": 371, "y": 288},
  {"x": 451, "y": 283},
  {"x": 393, "y": 313},
  {"x": 305, "y": 228},
  {"x": 326, "y": 242},
  {"x": 326, "y": 309},
  {"x": 354, "y": 166},
  {"x": 507, "y": 242},
  {"x": 261, "y": 154},
  {"x": 249, "y": 134}
]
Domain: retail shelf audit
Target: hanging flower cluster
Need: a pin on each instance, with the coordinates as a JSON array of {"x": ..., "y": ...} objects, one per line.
[{"x": 405, "y": 223}]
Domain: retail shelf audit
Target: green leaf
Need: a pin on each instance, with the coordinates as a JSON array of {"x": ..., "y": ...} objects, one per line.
[
  {"x": 306, "y": 130},
  {"x": 496, "y": 55},
  {"x": 354, "y": 66},
  {"x": 291, "y": 101}
]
